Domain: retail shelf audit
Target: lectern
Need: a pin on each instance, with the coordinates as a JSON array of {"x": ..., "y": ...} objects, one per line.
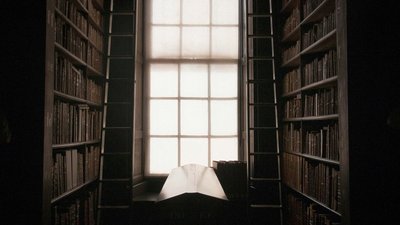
[{"x": 192, "y": 194}]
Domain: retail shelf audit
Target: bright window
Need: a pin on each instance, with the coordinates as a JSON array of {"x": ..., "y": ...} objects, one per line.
[{"x": 192, "y": 51}]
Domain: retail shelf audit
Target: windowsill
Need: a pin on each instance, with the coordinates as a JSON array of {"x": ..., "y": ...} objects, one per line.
[{"x": 148, "y": 190}]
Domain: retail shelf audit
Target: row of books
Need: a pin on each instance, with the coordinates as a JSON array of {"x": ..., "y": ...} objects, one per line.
[
  {"x": 75, "y": 123},
  {"x": 78, "y": 211},
  {"x": 319, "y": 30},
  {"x": 72, "y": 12},
  {"x": 292, "y": 107},
  {"x": 96, "y": 14},
  {"x": 68, "y": 78},
  {"x": 70, "y": 39},
  {"x": 321, "y": 142},
  {"x": 302, "y": 212},
  {"x": 291, "y": 81},
  {"x": 95, "y": 58},
  {"x": 290, "y": 52},
  {"x": 320, "y": 68},
  {"x": 318, "y": 180},
  {"x": 322, "y": 102},
  {"x": 319, "y": 103},
  {"x": 96, "y": 37},
  {"x": 292, "y": 137},
  {"x": 94, "y": 91},
  {"x": 74, "y": 167},
  {"x": 232, "y": 175},
  {"x": 310, "y": 5},
  {"x": 76, "y": 44},
  {"x": 291, "y": 22}
]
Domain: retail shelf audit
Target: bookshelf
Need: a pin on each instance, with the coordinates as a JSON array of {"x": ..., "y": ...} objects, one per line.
[
  {"x": 77, "y": 114},
  {"x": 310, "y": 112}
]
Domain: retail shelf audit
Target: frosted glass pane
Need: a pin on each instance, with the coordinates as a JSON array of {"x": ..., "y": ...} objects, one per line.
[
  {"x": 194, "y": 150},
  {"x": 163, "y": 117},
  {"x": 163, "y": 80},
  {"x": 224, "y": 117},
  {"x": 163, "y": 154},
  {"x": 195, "y": 42},
  {"x": 194, "y": 80},
  {"x": 164, "y": 42},
  {"x": 196, "y": 12},
  {"x": 224, "y": 149},
  {"x": 194, "y": 117},
  {"x": 224, "y": 43},
  {"x": 165, "y": 11},
  {"x": 225, "y": 12},
  {"x": 224, "y": 80}
]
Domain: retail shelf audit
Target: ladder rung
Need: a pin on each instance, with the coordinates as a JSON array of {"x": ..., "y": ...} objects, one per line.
[
  {"x": 113, "y": 207},
  {"x": 121, "y": 35},
  {"x": 116, "y": 153},
  {"x": 260, "y": 36},
  {"x": 265, "y": 179},
  {"x": 118, "y": 103},
  {"x": 262, "y": 58},
  {"x": 121, "y": 56},
  {"x": 265, "y": 206},
  {"x": 119, "y": 128},
  {"x": 128, "y": 13},
  {"x": 115, "y": 180},
  {"x": 264, "y": 153},
  {"x": 119, "y": 78}
]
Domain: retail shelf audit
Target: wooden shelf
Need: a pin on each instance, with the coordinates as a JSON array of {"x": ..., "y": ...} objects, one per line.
[
  {"x": 71, "y": 191},
  {"x": 293, "y": 62},
  {"x": 72, "y": 58},
  {"x": 75, "y": 144},
  {"x": 312, "y": 118},
  {"x": 76, "y": 99},
  {"x": 323, "y": 44},
  {"x": 315, "y": 201},
  {"x": 316, "y": 85},
  {"x": 292, "y": 36},
  {"x": 316, "y": 158},
  {"x": 318, "y": 13},
  {"x": 71, "y": 24}
]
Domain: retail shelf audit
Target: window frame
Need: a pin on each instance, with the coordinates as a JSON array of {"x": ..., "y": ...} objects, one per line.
[{"x": 241, "y": 85}]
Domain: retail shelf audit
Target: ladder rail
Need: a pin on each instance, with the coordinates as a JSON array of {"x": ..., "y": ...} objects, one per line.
[{"x": 116, "y": 158}]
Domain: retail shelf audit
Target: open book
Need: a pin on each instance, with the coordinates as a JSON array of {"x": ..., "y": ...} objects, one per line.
[{"x": 192, "y": 178}]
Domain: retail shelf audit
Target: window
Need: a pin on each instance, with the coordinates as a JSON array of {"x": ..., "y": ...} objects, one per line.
[{"x": 191, "y": 58}]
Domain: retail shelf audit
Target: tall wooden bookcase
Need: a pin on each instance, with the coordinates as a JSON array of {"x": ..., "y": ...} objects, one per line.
[
  {"x": 53, "y": 101},
  {"x": 52, "y": 94},
  {"x": 311, "y": 112},
  {"x": 78, "y": 85}
]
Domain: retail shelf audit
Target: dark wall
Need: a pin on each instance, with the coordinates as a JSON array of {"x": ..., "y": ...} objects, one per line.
[
  {"x": 374, "y": 87},
  {"x": 21, "y": 101}
]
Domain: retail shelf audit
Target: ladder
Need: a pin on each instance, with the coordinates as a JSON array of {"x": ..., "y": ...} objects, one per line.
[
  {"x": 116, "y": 165},
  {"x": 265, "y": 183}
]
